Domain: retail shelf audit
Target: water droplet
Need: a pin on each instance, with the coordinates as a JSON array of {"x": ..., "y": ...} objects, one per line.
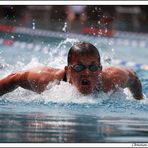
[
  {"x": 105, "y": 30},
  {"x": 99, "y": 22},
  {"x": 65, "y": 27},
  {"x": 33, "y": 24},
  {"x": 95, "y": 8}
]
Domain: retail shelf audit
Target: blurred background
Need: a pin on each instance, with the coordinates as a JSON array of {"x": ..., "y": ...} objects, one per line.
[
  {"x": 86, "y": 19},
  {"x": 60, "y": 114}
]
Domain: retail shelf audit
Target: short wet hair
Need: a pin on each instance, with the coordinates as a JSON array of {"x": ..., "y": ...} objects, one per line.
[{"x": 82, "y": 48}]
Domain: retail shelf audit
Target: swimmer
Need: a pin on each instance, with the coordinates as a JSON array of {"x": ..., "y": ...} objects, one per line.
[{"x": 84, "y": 71}]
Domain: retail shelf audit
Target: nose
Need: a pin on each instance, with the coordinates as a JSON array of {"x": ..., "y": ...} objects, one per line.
[{"x": 86, "y": 71}]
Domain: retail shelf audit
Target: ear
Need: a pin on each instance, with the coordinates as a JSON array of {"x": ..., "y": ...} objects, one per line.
[{"x": 66, "y": 68}]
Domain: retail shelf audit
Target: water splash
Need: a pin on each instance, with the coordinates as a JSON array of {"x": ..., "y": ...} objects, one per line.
[
  {"x": 68, "y": 42},
  {"x": 63, "y": 94},
  {"x": 33, "y": 24},
  {"x": 64, "y": 29},
  {"x": 58, "y": 56}
]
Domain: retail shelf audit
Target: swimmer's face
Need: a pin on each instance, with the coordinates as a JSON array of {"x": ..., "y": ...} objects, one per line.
[{"x": 83, "y": 72}]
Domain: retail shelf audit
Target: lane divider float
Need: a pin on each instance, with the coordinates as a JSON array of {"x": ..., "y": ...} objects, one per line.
[{"x": 113, "y": 40}]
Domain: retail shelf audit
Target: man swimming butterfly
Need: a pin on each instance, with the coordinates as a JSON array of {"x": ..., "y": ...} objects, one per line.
[{"x": 84, "y": 71}]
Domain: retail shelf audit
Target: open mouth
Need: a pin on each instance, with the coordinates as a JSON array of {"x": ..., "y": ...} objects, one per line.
[{"x": 85, "y": 82}]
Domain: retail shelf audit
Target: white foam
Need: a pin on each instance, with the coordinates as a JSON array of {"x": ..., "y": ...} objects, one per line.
[{"x": 62, "y": 92}]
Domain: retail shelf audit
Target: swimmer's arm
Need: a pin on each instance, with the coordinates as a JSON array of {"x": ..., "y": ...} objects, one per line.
[
  {"x": 127, "y": 78},
  {"x": 135, "y": 86},
  {"x": 30, "y": 80},
  {"x": 124, "y": 78},
  {"x": 20, "y": 79},
  {"x": 26, "y": 80},
  {"x": 8, "y": 83}
]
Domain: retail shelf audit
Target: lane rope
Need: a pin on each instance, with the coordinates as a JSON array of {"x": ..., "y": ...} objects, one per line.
[{"x": 38, "y": 47}]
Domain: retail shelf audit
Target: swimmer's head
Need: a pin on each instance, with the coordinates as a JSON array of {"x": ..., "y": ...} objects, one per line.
[
  {"x": 82, "y": 48},
  {"x": 83, "y": 67}
]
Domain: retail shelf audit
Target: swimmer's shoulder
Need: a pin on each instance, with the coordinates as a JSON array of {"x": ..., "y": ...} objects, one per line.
[
  {"x": 112, "y": 75},
  {"x": 111, "y": 70},
  {"x": 45, "y": 69},
  {"x": 46, "y": 72}
]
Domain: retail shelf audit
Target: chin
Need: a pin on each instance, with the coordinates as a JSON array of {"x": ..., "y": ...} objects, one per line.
[{"x": 85, "y": 91}]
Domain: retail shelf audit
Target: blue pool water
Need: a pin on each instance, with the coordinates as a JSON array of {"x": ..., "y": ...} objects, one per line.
[{"x": 61, "y": 114}]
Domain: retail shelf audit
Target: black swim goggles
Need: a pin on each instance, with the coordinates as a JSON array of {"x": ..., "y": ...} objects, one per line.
[{"x": 81, "y": 67}]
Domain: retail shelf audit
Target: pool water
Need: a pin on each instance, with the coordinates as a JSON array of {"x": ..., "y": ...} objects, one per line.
[{"x": 61, "y": 114}]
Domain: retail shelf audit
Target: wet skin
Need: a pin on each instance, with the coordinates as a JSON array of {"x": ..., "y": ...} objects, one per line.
[{"x": 86, "y": 81}]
